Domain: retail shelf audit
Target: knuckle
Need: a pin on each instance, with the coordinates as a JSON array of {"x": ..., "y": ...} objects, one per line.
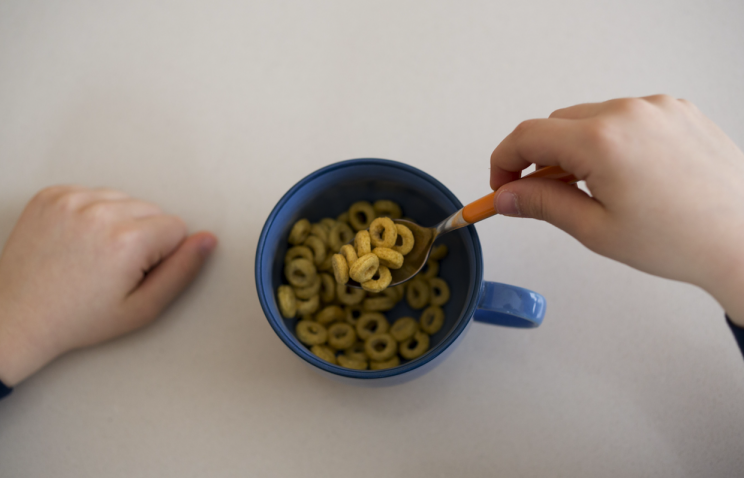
[
  {"x": 125, "y": 239},
  {"x": 632, "y": 105},
  {"x": 179, "y": 226},
  {"x": 662, "y": 100},
  {"x": 541, "y": 207},
  {"x": 523, "y": 127},
  {"x": 534, "y": 205},
  {"x": 688, "y": 104},
  {"x": 98, "y": 212},
  {"x": 48, "y": 193},
  {"x": 67, "y": 201},
  {"x": 601, "y": 134}
]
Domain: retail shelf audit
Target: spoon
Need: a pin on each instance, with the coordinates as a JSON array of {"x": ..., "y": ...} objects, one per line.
[{"x": 476, "y": 211}]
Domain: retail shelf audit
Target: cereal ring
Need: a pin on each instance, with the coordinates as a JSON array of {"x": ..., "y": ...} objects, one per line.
[
  {"x": 341, "y": 336},
  {"x": 343, "y": 217},
  {"x": 295, "y": 252},
  {"x": 328, "y": 222},
  {"x": 327, "y": 287},
  {"x": 311, "y": 333},
  {"x": 377, "y": 304},
  {"x": 362, "y": 243},
  {"x": 348, "y": 362},
  {"x": 340, "y": 269},
  {"x": 330, "y": 314},
  {"x": 287, "y": 302},
  {"x": 361, "y": 215},
  {"x": 327, "y": 264},
  {"x": 309, "y": 291},
  {"x": 417, "y": 293},
  {"x": 379, "y": 281},
  {"x": 404, "y": 242},
  {"x": 396, "y": 293},
  {"x": 386, "y": 208},
  {"x": 300, "y": 272},
  {"x": 309, "y": 306},
  {"x": 432, "y": 319},
  {"x": 356, "y": 351},
  {"x": 299, "y": 232},
  {"x": 440, "y": 291},
  {"x": 320, "y": 231},
  {"x": 388, "y": 257},
  {"x": 371, "y": 323},
  {"x": 382, "y": 232},
  {"x": 364, "y": 268},
  {"x": 414, "y": 346},
  {"x": 380, "y": 346},
  {"x": 347, "y": 250},
  {"x": 348, "y": 295},
  {"x": 353, "y": 312},
  {"x": 439, "y": 252},
  {"x": 393, "y": 362},
  {"x": 340, "y": 234},
  {"x": 430, "y": 270},
  {"x": 324, "y": 352},
  {"x": 404, "y": 328},
  {"x": 318, "y": 247}
]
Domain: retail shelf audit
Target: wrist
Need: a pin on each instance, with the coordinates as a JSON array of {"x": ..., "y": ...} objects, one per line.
[
  {"x": 728, "y": 289},
  {"x": 20, "y": 354}
]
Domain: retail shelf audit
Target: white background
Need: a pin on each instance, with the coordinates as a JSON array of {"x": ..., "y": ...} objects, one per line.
[{"x": 214, "y": 109}]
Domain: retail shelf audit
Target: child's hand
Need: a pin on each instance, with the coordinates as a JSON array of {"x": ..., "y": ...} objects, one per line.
[
  {"x": 83, "y": 266},
  {"x": 667, "y": 188}
]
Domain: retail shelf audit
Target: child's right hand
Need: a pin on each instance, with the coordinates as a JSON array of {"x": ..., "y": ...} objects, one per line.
[{"x": 667, "y": 188}]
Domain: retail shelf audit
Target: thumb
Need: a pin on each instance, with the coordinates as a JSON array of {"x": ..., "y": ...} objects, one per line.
[
  {"x": 564, "y": 206},
  {"x": 170, "y": 277}
]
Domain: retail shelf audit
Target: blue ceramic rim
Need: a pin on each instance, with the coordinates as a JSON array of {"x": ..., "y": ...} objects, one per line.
[{"x": 304, "y": 352}]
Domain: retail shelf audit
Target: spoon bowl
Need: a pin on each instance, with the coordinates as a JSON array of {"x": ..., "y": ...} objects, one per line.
[{"x": 423, "y": 240}]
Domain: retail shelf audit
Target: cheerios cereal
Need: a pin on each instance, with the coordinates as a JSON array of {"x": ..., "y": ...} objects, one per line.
[
  {"x": 385, "y": 208},
  {"x": 382, "y": 232},
  {"x": 364, "y": 268},
  {"x": 324, "y": 352},
  {"x": 432, "y": 319},
  {"x": 357, "y": 328}
]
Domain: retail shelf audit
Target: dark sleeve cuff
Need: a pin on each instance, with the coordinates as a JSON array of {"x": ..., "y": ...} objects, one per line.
[
  {"x": 738, "y": 334},
  {"x": 4, "y": 391}
]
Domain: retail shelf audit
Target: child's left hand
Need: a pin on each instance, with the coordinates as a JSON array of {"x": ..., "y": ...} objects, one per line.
[{"x": 83, "y": 266}]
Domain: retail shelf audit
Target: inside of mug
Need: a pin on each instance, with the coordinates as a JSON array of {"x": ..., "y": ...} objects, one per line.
[{"x": 330, "y": 192}]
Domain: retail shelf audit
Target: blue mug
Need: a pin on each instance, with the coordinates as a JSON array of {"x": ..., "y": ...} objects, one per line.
[{"x": 329, "y": 192}]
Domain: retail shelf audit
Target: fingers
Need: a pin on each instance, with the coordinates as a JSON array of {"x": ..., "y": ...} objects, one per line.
[
  {"x": 169, "y": 278},
  {"x": 547, "y": 142},
  {"x": 74, "y": 198},
  {"x": 560, "y": 204},
  {"x": 159, "y": 236},
  {"x": 124, "y": 209},
  {"x": 584, "y": 110}
]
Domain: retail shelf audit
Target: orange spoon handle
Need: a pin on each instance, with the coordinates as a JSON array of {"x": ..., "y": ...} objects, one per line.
[{"x": 482, "y": 208}]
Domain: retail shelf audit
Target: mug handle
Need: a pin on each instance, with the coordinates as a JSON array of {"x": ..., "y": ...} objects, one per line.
[{"x": 510, "y": 306}]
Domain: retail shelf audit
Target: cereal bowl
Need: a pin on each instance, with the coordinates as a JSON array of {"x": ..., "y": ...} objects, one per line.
[{"x": 328, "y": 192}]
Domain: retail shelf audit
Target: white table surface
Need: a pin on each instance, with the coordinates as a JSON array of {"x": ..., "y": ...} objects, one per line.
[{"x": 214, "y": 109}]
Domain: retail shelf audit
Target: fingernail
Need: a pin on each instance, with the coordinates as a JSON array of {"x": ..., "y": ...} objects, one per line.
[
  {"x": 207, "y": 245},
  {"x": 506, "y": 204}
]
